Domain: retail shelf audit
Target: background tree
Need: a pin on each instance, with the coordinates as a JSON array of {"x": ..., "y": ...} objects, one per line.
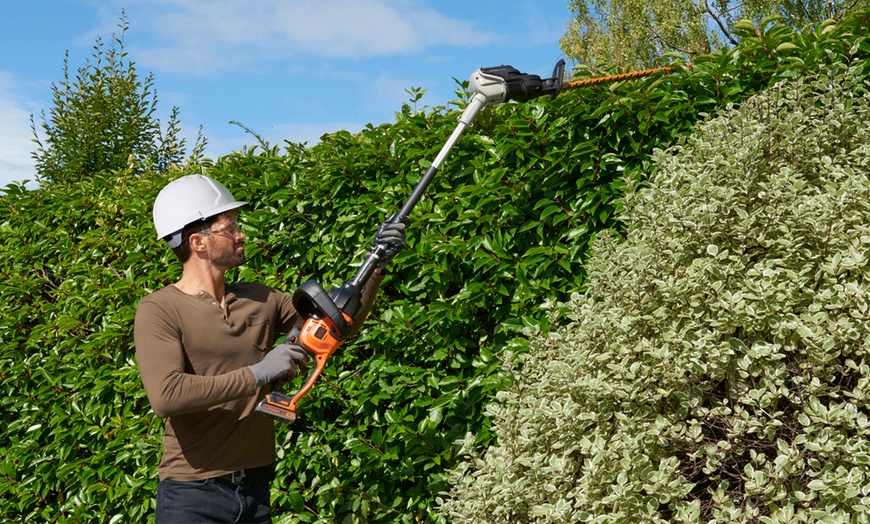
[
  {"x": 632, "y": 34},
  {"x": 104, "y": 119}
]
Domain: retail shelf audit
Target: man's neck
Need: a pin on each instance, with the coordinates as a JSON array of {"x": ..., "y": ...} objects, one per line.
[{"x": 195, "y": 279}]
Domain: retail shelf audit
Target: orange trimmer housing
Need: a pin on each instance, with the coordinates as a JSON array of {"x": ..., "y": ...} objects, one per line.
[
  {"x": 328, "y": 318},
  {"x": 317, "y": 336}
]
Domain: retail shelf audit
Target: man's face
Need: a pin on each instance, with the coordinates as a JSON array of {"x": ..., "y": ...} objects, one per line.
[{"x": 225, "y": 241}]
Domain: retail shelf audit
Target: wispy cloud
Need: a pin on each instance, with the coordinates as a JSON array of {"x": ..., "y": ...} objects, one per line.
[
  {"x": 16, "y": 136},
  {"x": 214, "y": 36}
]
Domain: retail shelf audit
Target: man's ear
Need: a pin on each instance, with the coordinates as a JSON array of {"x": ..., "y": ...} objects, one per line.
[{"x": 197, "y": 243}]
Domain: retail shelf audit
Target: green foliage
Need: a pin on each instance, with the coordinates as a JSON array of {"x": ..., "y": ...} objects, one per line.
[
  {"x": 505, "y": 227},
  {"x": 634, "y": 34},
  {"x": 79, "y": 443},
  {"x": 716, "y": 369},
  {"x": 104, "y": 120}
]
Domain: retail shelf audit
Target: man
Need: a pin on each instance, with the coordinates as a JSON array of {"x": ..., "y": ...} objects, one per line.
[{"x": 204, "y": 350}]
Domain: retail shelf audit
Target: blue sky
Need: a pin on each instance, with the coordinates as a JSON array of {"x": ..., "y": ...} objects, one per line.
[{"x": 287, "y": 69}]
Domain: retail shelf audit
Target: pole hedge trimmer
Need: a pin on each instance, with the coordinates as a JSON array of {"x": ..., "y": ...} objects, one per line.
[{"x": 329, "y": 315}]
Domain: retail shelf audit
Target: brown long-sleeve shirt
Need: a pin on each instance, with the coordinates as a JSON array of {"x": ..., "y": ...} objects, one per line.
[{"x": 193, "y": 358}]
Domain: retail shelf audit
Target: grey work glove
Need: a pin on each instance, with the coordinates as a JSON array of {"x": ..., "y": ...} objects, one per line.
[
  {"x": 391, "y": 236},
  {"x": 279, "y": 363}
]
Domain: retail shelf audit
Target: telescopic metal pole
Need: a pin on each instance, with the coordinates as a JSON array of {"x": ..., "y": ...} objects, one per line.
[{"x": 477, "y": 103}]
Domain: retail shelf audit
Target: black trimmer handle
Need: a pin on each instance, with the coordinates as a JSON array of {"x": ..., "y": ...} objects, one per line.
[{"x": 312, "y": 301}]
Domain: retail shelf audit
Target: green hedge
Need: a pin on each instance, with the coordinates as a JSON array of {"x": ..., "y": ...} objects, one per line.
[{"x": 504, "y": 228}]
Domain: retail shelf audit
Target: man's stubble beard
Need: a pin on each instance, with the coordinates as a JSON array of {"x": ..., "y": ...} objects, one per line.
[{"x": 230, "y": 258}]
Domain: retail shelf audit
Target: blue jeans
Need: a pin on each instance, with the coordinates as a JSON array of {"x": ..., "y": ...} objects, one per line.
[{"x": 213, "y": 501}]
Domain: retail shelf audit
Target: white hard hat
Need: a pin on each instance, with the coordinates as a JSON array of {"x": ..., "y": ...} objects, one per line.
[{"x": 186, "y": 200}]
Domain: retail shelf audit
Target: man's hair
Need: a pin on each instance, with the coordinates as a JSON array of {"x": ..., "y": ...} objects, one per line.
[{"x": 183, "y": 251}]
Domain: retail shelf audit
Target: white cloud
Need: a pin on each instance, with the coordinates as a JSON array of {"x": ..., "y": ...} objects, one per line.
[
  {"x": 211, "y": 36},
  {"x": 16, "y": 136}
]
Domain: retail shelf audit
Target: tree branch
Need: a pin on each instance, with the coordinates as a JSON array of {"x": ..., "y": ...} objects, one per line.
[
  {"x": 664, "y": 42},
  {"x": 722, "y": 26}
]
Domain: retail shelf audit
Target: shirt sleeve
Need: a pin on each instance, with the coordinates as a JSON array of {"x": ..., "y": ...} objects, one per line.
[{"x": 160, "y": 357}]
